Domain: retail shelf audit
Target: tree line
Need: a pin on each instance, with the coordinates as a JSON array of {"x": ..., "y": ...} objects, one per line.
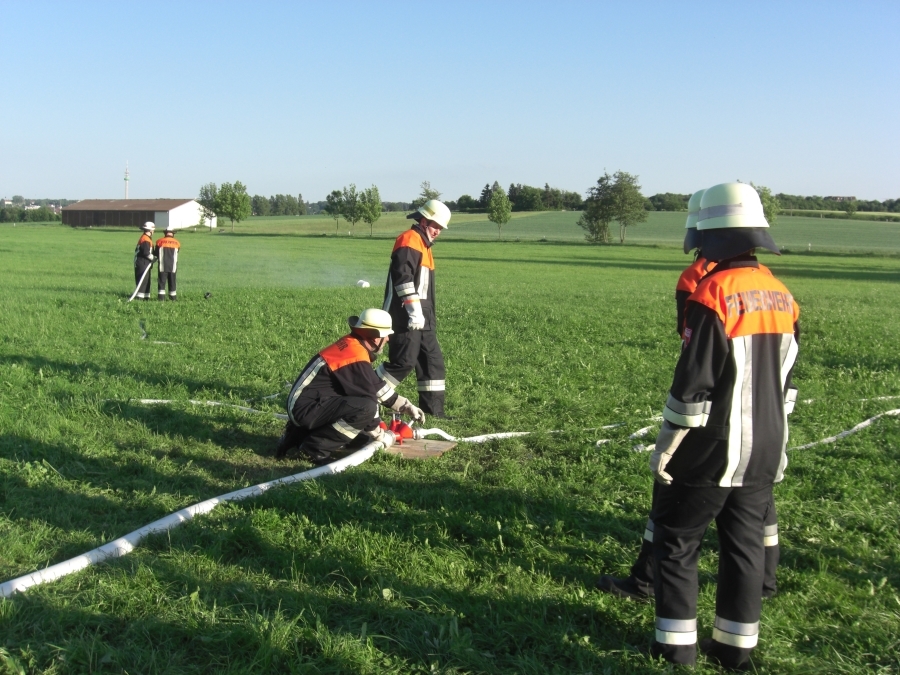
[{"x": 16, "y": 214}]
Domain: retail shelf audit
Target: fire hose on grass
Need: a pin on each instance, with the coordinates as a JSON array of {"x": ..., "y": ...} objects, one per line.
[{"x": 124, "y": 545}]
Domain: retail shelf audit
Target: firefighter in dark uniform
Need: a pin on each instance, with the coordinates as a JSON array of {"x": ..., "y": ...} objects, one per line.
[
  {"x": 143, "y": 261},
  {"x": 409, "y": 298},
  {"x": 722, "y": 442},
  {"x": 335, "y": 398},
  {"x": 167, "y": 253},
  {"x": 639, "y": 584}
]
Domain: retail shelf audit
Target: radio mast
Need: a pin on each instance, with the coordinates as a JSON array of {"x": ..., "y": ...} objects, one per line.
[{"x": 126, "y": 180}]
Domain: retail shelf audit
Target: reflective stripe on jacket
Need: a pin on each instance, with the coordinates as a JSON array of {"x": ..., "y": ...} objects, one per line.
[
  {"x": 410, "y": 279},
  {"x": 732, "y": 385},
  {"x": 144, "y": 248},
  {"x": 167, "y": 252},
  {"x": 341, "y": 369}
]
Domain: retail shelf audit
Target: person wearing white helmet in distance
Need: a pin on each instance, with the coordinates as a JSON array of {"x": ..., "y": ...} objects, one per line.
[
  {"x": 143, "y": 259},
  {"x": 335, "y": 398}
]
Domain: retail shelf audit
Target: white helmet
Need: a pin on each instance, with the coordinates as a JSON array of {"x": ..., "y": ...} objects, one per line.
[
  {"x": 149, "y": 226},
  {"x": 435, "y": 211},
  {"x": 370, "y": 324},
  {"x": 731, "y": 221},
  {"x": 692, "y": 236}
]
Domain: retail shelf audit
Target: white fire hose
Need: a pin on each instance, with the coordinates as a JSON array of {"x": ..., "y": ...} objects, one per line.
[{"x": 124, "y": 545}]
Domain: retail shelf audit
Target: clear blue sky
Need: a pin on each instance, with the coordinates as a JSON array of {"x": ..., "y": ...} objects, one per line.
[{"x": 290, "y": 97}]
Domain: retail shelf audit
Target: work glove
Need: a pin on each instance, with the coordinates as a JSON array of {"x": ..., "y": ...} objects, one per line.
[
  {"x": 150, "y": 257},
  {"x": 416, "y": 317},
  {"x": 667, "y": 443},
  {"x": 382, "y": 436},
  {"x": 403, "y": 406}
]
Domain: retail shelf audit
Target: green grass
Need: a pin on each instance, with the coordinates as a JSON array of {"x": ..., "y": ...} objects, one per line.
[
  {"x": 794, "y": 233},
  {"x": 480, "y": 562}
]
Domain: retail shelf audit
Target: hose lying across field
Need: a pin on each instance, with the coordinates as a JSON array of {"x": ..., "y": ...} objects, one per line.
[{"x": 124, "y": 545}]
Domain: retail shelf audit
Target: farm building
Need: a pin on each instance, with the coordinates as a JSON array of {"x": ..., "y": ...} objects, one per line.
[{"x": 172, "y": 214}]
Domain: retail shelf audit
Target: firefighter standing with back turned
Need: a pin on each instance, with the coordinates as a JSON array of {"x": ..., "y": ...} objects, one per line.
[
  {"x": 143, "y": 261},
  {"x": 335, "y": 398},
  {"x": 639, "y": 584},
  {"x": 722, "y": 442},
  {"x": 167, "y": 252},
  {"x": 409, "y": 298}
]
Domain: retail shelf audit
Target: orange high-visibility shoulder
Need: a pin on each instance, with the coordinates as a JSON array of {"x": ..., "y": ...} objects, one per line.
[
  {"x": 749, "y": 301},
  {"x": 344, "y": 352},
  {"x": 145, "y": 239},
  {"x": 412, "y": 239},
  {"x": 168, "y": 242},
  {"x": 693, "y": 274}
]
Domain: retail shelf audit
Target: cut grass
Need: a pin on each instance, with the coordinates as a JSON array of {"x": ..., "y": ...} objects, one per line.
[{"x": 481, "y": 561}]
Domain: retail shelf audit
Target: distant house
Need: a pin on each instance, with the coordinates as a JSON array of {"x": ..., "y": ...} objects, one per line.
[
  {"x": 172, "y": 214},
  {"x": 841, "y": 199}
]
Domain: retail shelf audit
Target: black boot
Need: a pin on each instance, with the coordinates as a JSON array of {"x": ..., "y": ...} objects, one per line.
[
  {"x": 624, "y": 588},
  {"x": 730, "y": 658},
  {"x": 291, "y": 438}
]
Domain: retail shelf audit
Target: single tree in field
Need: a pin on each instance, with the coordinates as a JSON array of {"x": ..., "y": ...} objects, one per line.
[
  {"x": 770, "y": 204},
  {"x": 850, "y": 206},
  {"x": 352, "y": 210},
  {"x": 370, "y": 205},
  {"x": 426, "y": 194},
  {"x": 629, "y": 204},
  {"x": 598, "y": 211},
  {"x": 499, "y": 209},
  {"x": 233, "y": 202},
  {"x": 207, "y": 201},
  {"x": 334, "y": 206}
]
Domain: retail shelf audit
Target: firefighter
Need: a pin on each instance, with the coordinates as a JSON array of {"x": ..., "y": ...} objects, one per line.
[
  {"x": 639, "y": 584},
  {"x": 143, "y": 261},
  {"x": 167, "y": 252},
  {"x": 335, "y": 398},
  {"x": 722, "y": 442},
  {"x": 409, "y": 298}
]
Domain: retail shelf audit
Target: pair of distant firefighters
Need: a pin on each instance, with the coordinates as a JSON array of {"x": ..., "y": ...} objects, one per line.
[
  {"x": 718, "y": 454},
  {"x": 166, "y": 251}
]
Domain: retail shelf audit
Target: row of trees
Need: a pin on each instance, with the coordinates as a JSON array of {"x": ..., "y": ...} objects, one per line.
[
  {"x": 521, "y": 198},
  {"x": 354, "y": 205},
  {"x": 16, "y": 214},
  {"x": 815, "y": 203},
  {"x": 278, "y": 205}
]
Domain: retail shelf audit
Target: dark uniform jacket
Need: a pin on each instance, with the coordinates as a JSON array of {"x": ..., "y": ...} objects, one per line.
[
  {"x": 732, "y": 385},
  {"x": 143, "y": 252},
  {"x": 342, "y": 369},
  {"x": 410, "y": 278},
  {"x": 167, "y": 252}
]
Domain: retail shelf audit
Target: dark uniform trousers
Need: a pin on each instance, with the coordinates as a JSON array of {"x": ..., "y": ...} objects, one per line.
[
  {"x": 324, "y": 425},
  {"x": 642, "y": 570},
  {"x": 162, "y": 278},
  {"x": 682, "y": 515},
  {"x": 140, "y": 265},
  {"x": 417, "y": 349}
]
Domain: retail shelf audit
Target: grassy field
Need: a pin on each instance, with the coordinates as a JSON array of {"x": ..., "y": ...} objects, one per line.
[
  {"x": 482, "y": 561},
  {"x": 662, "y": 228}
]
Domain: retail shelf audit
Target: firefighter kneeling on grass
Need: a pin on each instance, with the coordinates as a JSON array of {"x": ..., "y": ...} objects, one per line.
[
  {"x": 722, "y": 444},
  {"x": 334, "y": 402},
  {"x": 167, "y": 252}
]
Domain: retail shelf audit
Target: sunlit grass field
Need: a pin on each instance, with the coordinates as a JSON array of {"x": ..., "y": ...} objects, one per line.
[
  {"x": 482, "y": 561},
  {"x": 664, "y": 228}
]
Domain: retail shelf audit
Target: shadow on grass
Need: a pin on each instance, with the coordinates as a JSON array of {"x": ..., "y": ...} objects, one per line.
[{"x": 163, "y": 379}]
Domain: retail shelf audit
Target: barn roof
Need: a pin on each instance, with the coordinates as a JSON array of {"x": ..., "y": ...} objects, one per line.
[{"x": 126, "y": 204}]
